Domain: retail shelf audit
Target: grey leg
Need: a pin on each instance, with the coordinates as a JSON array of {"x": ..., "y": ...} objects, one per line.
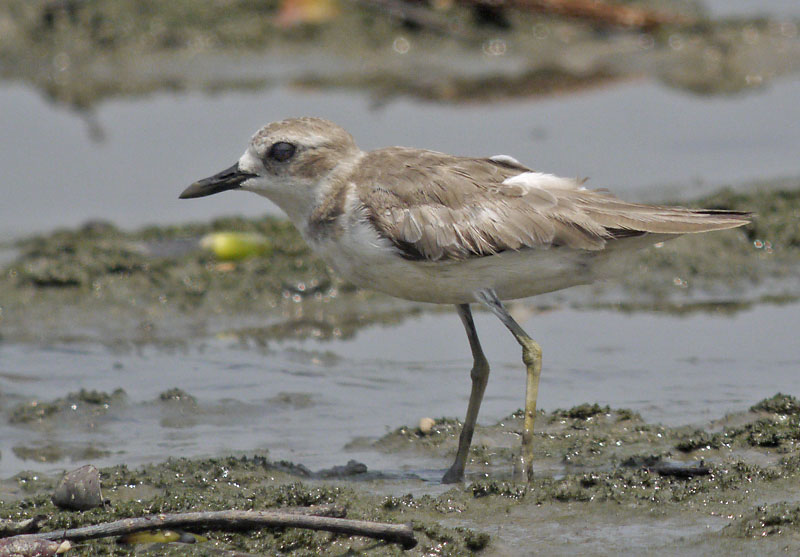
[
  {"x": 480, "y": 376},
  {"x": 532, "y": 358}
]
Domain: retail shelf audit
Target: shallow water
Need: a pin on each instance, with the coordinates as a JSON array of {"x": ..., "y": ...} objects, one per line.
[
  {"x": 305, "y": 401},
  {"x": 638, "y": 139}
]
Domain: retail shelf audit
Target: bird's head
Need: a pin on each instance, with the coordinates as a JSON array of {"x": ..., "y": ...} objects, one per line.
[{"x": 289, "y": 162}]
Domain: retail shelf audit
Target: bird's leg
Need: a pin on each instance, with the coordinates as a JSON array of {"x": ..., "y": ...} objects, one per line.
[
  {"x": 480, "y": 376},
  {"x": 532, "y": 358}
]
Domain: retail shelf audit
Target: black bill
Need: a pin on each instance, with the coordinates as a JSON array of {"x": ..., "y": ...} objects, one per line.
[{"x": 228, "y": 179}]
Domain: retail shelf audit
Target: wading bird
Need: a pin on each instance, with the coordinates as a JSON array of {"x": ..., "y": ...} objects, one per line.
[{"x": 432, "y": 227}]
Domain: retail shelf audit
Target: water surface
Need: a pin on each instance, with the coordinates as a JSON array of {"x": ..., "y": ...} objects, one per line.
[
  {"x": 305, "y": 401},
  {"x": 637, "y": 139}
]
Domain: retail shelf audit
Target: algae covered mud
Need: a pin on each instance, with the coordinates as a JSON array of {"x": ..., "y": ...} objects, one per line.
[{"x": 731, "y": 489}]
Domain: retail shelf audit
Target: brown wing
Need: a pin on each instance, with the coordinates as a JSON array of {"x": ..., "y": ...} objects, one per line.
[{"x": 435, "y": 206}]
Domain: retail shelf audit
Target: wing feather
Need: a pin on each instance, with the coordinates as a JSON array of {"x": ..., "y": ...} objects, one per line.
[{"x": 435, "y": 206}]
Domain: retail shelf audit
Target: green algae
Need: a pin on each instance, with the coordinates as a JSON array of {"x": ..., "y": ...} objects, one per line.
[
  {"x": 611, "y": 442},
  {"x": 482, "y": 515},
  {"x": 582, "y": 411},
  {"x": 767, "y": 520},
  {"x": 83, "y": 402},
  {"x": 55, "y": 452},
  {"x": 442, "y": 431},
  {"x": 768, "y": 432},
  {"x": 698, "y": 440},
  {"x": 778, "y": 404},
  {"x": 93, "y": 256},
  {"x": 181, "y": 485},
  {"x": 772, "y": 423},
  {"x": 156, "y": 285},
  {"x": 177, "y": 395}
]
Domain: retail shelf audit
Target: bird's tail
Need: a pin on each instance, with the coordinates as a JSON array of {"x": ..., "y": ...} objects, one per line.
[{"x": 635, "y": 220}]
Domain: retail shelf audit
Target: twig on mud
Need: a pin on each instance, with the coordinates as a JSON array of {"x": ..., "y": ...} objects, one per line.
[
  {"x": 684, "y": 472},
  {"x": 603, "y": 13},
  {"x": 236, "y": 520},
  {"x": 599, "y": 13},
  {"x": 332, "y": 510}
]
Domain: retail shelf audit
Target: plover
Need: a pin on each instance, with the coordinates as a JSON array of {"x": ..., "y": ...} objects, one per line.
[{"x": 433, "y": 227}]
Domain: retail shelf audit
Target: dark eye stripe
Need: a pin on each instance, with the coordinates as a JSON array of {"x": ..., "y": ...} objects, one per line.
[{"x": 281, "y": 151}]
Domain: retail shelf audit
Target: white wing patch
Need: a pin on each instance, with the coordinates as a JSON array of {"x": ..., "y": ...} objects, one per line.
[
  {"x": 505, "y": 159},
  {"x": 540, "y": 180}
]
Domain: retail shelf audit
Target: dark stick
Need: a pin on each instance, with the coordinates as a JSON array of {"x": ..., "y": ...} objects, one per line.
[
  {"x": 608, "y": 13},
  {"x": 237, "y": 520}
]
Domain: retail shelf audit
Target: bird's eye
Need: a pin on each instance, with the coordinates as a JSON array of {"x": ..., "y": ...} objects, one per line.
[{"x": 281, "y": 151}]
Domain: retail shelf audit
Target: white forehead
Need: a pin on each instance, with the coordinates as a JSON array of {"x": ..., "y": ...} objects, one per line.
[{"x": 250, "y": 161}]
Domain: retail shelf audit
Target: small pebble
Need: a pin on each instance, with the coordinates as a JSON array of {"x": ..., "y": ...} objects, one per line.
[
  {"x": 79, "y": 490},
  {"x": 426, "y": 425}
]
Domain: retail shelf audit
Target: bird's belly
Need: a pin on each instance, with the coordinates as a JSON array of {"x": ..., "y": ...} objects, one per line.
[{"x": 378, "y": 266}]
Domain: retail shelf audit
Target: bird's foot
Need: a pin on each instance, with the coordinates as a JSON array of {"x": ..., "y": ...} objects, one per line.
[{"x": 454, "y": 475}]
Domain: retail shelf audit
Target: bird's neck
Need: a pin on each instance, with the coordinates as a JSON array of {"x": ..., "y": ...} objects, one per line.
[{"x": 324, "y": 220}]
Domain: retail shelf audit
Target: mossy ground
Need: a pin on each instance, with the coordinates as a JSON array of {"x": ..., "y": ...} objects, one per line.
[{"x": 587, "y": 463}]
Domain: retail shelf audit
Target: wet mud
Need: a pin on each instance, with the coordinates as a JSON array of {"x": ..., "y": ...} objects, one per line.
[{"x": 601, "y": 476}]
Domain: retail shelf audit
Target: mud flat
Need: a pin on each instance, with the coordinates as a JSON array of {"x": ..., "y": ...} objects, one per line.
[{"x": 606, "y": 482}]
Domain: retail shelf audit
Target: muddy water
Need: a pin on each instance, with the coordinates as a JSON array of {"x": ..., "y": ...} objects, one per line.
[{"x": 305, "y": 401}]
